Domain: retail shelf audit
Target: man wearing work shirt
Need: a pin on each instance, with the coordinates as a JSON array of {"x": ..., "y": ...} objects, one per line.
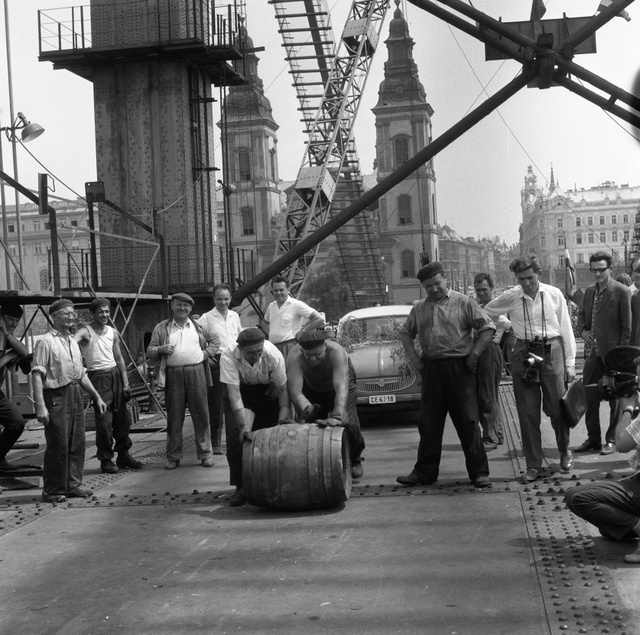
[
  {"x": 285, "y": 316},
  {"x": 444, "y": 323},
  {"x": 543, "y": 359}
]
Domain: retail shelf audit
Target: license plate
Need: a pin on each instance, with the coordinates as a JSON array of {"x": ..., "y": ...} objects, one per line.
[{"x": 377, "y": 399}]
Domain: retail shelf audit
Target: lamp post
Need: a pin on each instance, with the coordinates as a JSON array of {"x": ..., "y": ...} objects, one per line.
[{"x": 28, "y": 132}]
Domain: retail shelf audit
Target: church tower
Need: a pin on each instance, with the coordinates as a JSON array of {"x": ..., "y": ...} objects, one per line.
[
  {"x": 407, "y": 213},
  {"x": 250, "y": 191}
]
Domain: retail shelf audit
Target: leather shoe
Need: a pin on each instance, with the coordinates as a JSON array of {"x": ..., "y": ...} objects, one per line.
[
  {"x": 481, "y": 482},
  {"x": 76, "y": 492},
  {"x": 108, "y": 467},
  {"x": 126, "y": 460},
  {"x": 171, "y": 464},
  {"x": 207, "y": 462},
  {"x": 53, "y": 498},
  {"x": 238, "y": 499},
  {"x": 608, "y": 448},
  {"x": 566, "y": 461},
  {"x": 531, "y": 475},
  {"x": 356, "y": 470},
  {"x": 415, "y": 478},
  {"x": 589, "y": 444},
  {"x": 5, "y": 466}
]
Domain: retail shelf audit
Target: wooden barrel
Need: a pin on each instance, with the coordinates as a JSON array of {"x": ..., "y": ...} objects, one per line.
[{"x": 297, "y": 466}]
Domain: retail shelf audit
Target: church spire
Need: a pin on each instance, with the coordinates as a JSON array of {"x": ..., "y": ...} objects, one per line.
[{"x": 552, "y": 183}]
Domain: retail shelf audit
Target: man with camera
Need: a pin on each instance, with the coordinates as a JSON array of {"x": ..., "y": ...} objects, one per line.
[
  {"x": 614, "y": 506},
  {"x": 604, "y": 320},
  {"x": 543, "y": 359}
]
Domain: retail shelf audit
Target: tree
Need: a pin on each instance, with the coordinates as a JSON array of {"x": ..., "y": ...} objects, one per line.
[{"x": 327, "y": 291}]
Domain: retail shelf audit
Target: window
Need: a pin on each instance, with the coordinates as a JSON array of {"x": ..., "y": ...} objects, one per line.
[
  {"x": 625, "y": 219},
  {"x": 578, "y": 222},
  {"x": 36, "y": 225},
  {"x": 603, "y": 237},
  {"x": 614, "y": 219},
  {"x": 560, "y": 222},
  {"x": 219, "y": 224},
  {"x": 404, "y": 210},
  {"x": 625, "y": 235},
  {"x": 580, "y": 259},
  {"x": 44, "y": 280},
  {"x": 75, "y": 279},
  {"x": 562, "y": 241},
  {"x": 400, "y": 151},
  {"x": 272, "y": 165},
  {"x": 408, "y": 264},
  {"x": 17, "y": 282},
  {"x": 37, "y": 250},
  {"x": 13, "y": 250},
  {"x": 11, "y": 229},
  {"x": 602, "y": 220},
  {"x": 543, "y": 241},
  {"x": 248, "y": 224},
  {"x": 614, "y": 236},
  {"x": 590, "y": 220},
  {"x": 47, "y": 226},
  {"x": 578, "y": 238},
  {"x": 244, "y": 165},
  {"x": 560, "y": 261},
  {"x": 591, "y": 239},
  {"x": 74, "y": 223}
]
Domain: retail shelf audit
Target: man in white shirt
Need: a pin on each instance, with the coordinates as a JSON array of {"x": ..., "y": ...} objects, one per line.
[
  {"x": 543, "y": 359},
  {"x": 253, "y": 371},
  {"x": 285, "y": 316},
  {"x": 183, "y": 346},
  {"x": 226, "y": 325},
  {"x": 614, "y": 506}
]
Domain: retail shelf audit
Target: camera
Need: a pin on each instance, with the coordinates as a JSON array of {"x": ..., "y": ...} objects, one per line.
[
  {"x": 615, "y": 384},
  {"x": 533, "y": 363}
]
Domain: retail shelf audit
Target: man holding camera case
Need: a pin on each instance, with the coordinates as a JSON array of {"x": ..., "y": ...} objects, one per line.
[
  {"x": 604, "y": 321},
  {"x": 543, "y": 359}
]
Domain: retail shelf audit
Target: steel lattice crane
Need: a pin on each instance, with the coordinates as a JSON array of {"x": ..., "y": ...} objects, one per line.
[{"x": 330, "y": 154}]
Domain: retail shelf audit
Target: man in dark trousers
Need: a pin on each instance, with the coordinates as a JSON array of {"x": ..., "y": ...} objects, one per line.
[
  {"x": 604, "y": 321},
  {"x": 322, "y": 385},
  {"x": 13, "y": 352},
  {"x": 445, "y": 322}
]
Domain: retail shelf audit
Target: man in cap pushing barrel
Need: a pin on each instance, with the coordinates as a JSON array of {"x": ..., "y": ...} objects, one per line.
[
  {"x": 58, "y": 375},
  {"x": 100, "y": 345},
  {"x": 253, "y": 370},
  {"x": 322, "y": 386},
  {"x": 13, "y": 352}
]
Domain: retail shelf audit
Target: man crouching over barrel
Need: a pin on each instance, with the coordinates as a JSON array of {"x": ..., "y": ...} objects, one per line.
[
  {"x": 322, "y": 386},
  {"x": 254, "y": 372}
]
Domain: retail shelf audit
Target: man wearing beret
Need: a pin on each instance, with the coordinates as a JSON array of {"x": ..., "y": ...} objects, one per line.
[
  {"x": 100, "y": 345},
  {"x": 254, "y": 372},
  {"x": 58, "y": 375},
  {"x": 184, "y": 348},
  {"x": 444, "y": 323},
  {"x": 322, "y": 385},
  {"x": 13, "y": 352},
  {"x": 285, "y": 316}
]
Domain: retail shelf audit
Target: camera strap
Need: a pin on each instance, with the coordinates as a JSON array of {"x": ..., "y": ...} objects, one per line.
[{"x": 528, "y": 320}]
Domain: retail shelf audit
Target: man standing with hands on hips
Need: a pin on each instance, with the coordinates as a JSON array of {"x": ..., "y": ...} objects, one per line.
[{"x": 543, "y": 359}]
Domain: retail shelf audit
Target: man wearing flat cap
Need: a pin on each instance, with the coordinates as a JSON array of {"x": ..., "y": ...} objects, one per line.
[
  {"x": 322, "y": 386},
  {"x": 183, "y": 348},
  {"x": 13, "y": 353},
  {"x": 100, "y": 345},
  {"x": 444, "y": 323},
  {"x": 253, "y": 370},
  {"x": 58, "y": 376}
]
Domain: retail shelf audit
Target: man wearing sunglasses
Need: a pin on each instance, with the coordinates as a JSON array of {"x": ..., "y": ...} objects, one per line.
[{"x": 604, "y": 321}]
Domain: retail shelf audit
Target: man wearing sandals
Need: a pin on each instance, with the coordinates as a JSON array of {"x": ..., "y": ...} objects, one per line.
[{"x": 614, "y": 506}]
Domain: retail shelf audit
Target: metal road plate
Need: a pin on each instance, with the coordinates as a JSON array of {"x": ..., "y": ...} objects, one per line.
[{"x": 378, "y": 399}]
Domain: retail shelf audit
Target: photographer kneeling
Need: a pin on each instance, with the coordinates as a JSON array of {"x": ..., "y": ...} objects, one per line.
[{"x": 614, "y": 506}]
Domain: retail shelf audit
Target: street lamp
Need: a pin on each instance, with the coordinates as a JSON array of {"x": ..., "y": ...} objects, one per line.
[{"x": 28, "y": 132}]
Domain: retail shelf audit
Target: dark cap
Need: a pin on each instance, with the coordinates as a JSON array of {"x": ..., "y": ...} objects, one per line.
[
  {"x": 252, "y": 335},
  {"x": 430, "y": 270},
  {"x": 182, "y": 296},
  {"x": 310, "y": 339},
  {"x": 11, "y": 309},
  {"x": 97, "y": 303},
  {"x": 58, "y": 305}
]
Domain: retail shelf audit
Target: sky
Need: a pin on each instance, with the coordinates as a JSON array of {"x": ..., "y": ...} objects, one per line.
[{"x": 479, "y": 176}]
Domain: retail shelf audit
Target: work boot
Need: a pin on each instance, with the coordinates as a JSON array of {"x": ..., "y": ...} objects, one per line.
[
  {"x": 126, "y": 460},
  {"x": 108, "y": 467}
]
